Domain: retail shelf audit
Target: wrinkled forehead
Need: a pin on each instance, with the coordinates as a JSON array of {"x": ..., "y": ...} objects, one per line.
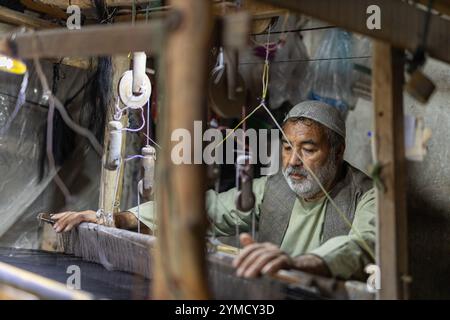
[{"x": 301, "y": 130}]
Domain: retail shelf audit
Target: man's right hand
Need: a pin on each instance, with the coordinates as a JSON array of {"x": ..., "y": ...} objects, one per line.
[{"x": 66, "y": 221}]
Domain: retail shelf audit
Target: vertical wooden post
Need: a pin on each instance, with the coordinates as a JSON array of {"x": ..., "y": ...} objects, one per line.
[
  {"x": 120, "y": 64},
  {"x": 180, "y": 271},
  {"x": 392, "y": 249}
]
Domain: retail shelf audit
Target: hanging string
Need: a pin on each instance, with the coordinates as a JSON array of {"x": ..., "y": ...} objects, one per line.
[
  {"x": 148, "y": 122},
  {"x": 152, "y": 141},
  {"x": 133, "y": 12},
  {"x": 273, "y": 45},
  {"x": 236, "y": 221},
  {"x": 115, "y": 203},
  {"x": 141, "y": 127},
  {"x": 138, "y": 209},
  {"x": 216, "y": 189},
  {"x": 307, "y": 60},
  {"x": 265, "y": 86},
  {"x": 147, "y": 10},
  {"x": 295, "y": 30}
]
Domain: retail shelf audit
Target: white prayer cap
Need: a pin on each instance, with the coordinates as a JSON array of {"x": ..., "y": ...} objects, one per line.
[{"x": 320, "y": 112}]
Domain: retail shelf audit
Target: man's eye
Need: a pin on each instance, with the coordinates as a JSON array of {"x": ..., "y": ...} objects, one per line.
[
  {"x": 287, "y": 148},
  {"x": 308, "y": 150}
]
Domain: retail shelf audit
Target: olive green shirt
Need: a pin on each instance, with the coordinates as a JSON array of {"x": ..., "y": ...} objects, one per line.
[{"x": 344, "y": 255}]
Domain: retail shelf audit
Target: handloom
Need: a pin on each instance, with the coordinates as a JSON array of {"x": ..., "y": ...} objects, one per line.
[
  {"x": 95, "y": 280},
  {"x": 122, "y": 250}
]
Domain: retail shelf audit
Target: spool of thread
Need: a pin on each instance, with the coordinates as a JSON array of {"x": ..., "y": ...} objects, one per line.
[
  {"x": 115, "y": 145},
  {"x": 245, "y": 198},
  {"x": 148, "y": 164},
  {"x": 139, "y": 65}
]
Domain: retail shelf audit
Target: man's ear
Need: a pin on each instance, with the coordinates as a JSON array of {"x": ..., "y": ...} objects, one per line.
[{"x": 340, "y": 152}]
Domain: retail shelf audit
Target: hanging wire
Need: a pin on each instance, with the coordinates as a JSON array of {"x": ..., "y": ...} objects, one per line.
[
  {"x": 133, "y": 12},
  {"x": 306, "y": 60},
  {"x": 148, "y": 122},
  {"x": 138, "y": 208},
  {"x": 295, "y": 30}
]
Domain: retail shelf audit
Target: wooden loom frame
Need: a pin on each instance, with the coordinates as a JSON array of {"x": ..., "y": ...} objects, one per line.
[{"x": 398, "y": 33}]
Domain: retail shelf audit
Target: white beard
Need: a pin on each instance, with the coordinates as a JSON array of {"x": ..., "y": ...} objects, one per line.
[{"x": 308, "y": 187}]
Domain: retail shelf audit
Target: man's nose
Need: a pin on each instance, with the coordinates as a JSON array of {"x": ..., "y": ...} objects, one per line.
[{"x": 294, "y": 160}]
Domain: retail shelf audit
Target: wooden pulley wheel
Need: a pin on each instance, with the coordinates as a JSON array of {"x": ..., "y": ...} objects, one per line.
[{"x": 219, "y": 99}]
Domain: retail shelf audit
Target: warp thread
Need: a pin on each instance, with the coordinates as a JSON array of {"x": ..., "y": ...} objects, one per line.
[{"x": 123, "y": 250}]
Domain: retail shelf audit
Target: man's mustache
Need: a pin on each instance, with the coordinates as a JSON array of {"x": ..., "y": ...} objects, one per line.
[{"x": 296, "y": 170}]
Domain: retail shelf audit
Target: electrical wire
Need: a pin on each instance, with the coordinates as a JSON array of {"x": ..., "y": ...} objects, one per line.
[{"x": 305, "y": 60}]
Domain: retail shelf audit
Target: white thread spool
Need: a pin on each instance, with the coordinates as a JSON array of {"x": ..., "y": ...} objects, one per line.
[
  {"x": 245, "y": 198},
  {"x": 139, "y": 65},
  {"x": 148, "y": 164},
  {"x": 115, "y": 145}
]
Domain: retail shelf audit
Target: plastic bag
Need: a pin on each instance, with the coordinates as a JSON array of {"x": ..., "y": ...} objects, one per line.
[
  {"x": 288, "y": 65},
  {"x": 331, "y": 71}
]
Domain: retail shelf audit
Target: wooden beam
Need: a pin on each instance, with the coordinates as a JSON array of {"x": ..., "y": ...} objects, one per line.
[
  {"x": 180, "y": 267},
  {"x": 441, "y": 6},
  {"x": 111, "y": 180},
  {"x": 89, "y": 41},
  {"x": 49, "y": 10},
  {"x": 24, "y": 20},
  {"x": 87, "y": 4},
  {"x": 392, "y": 249},
  {"x": 401, "y": 24},
  {"x": 257, "y": 10}
]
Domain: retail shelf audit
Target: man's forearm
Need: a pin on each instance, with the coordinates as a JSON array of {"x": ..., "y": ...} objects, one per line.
[
  {"x": 312, "y": 264},
  {"x": 128, "y": 221}
]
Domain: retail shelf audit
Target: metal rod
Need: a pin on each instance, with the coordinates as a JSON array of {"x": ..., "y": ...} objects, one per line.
[{"x": 39, "y": 286}]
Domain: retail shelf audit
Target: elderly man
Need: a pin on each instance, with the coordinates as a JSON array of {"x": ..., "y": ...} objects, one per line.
[{"x": 298, "y": 226}]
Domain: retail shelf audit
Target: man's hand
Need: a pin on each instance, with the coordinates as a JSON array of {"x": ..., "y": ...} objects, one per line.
[
  {"x": 66, "y": 221},
  {"x": 260, "y": 258},
  {"x": 266, "y": 258}
]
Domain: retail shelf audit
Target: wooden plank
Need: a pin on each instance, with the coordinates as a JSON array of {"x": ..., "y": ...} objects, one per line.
[
  {"x": 257, "y": 10},
  {"x": 49, "y": 10},
  {"x": 89, "y": 41},
  {"x": 441, "y": 6},
  {"x": 401, "y": 24},
  {"x": 180, "y": 268},
  {"x": 392, "y": 249},
  {"x": 87, "y": 4},
  {"x": 110, "y": 178},
  {"x": 20, "y": 19}
]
